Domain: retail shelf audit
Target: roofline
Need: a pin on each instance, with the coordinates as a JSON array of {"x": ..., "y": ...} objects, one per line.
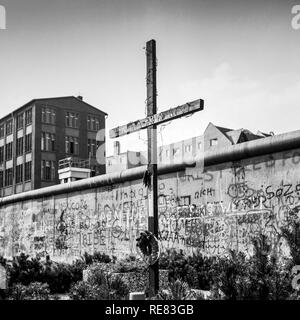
[
  {"x": 279, "y": 143},
  {"x": 39, "y": 99}
]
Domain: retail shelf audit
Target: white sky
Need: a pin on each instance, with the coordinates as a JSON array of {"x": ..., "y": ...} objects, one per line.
[{"x": 241, "y": 57}]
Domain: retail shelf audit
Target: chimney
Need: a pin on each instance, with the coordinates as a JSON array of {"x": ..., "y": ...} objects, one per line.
[
  {"x": 80, "y": 97},
  {"x": 116, "y": 148}
]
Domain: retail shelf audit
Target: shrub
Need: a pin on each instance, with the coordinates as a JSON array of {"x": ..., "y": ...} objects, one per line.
[
  {"x": 196, "y": 270},
  {"x": 100, "y": 286},
  {"x": 86, "y": 291},
  {"x": 25, "y": 270},
  {"x": 178, "y": 290},
  {"x": 34, "y": 291},
  {"x": 291, "y": 233},
  {"x": 58, "y": 276},
  {"x": 260, "y": 277}
]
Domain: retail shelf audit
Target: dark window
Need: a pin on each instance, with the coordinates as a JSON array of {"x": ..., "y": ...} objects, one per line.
[
  {"x": 48, "y": 141},
  {"x": 9, "y": 127},
  {"x": 20, "y": 121},
  {"x": 28, "y": 142},
  {"x": 28, "y": 117},
  {"x": 93, "y": 123},
  {"x": 213, "y": 142},
  {"x": 72, "y": 119},
  {"x": 28, "y": 171},
  {"x": 20, "y": 144},
  {"x": 2, "y": 131},
  {"x": 8, "y": 151},
  {"x": 1, "y": 154},
  {"x": 8, "y": 177},
  {"x": 72, "y": 145},
  {"x": 48, "y": 170},
  {"x": 19, "y": 173},
  {"x": 93, "y": 145},
  {"x": 48, "y": 115}
]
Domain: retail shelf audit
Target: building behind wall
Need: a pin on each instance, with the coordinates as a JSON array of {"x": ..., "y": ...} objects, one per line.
[
  {"x": 34, "y": 137},
  {"x": 124, "y": 160},
  {"x": 214, "y": 137}
]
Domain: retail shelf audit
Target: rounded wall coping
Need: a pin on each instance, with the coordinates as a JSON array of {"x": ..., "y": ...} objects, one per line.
[{"x": 237, "y": 152}]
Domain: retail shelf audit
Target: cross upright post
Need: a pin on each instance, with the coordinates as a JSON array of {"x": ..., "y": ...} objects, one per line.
[
  {"x": 150, "y": 123},
  {"x": 152, "y": 158}
]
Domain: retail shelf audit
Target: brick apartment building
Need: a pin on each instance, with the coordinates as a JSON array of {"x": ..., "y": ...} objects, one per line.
[{"x": 34, "y": 137}]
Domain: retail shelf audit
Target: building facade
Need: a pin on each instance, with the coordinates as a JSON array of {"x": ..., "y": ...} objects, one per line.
[
  {"x": 183, "y": 151},
  {"x": 120, "y": 161},
  {"x": 34, "y": 137}
]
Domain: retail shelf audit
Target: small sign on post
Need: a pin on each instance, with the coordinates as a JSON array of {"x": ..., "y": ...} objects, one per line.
[{"x": 3, "y": 278}]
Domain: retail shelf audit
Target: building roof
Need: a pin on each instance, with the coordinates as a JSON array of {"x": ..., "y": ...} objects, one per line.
[
  {"x": 222, "y": 129},
  {"x": 53, "y": 98}
]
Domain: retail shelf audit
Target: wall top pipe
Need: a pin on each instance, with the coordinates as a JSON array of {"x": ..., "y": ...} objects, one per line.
[{"x": 237, "y": 152}]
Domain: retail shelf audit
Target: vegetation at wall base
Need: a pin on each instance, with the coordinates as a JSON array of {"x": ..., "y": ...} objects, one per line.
[{"x": 262, "y": 276}]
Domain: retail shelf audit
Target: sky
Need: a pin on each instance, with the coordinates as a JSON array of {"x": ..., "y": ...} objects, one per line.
[{"x": 240, "y": 57}]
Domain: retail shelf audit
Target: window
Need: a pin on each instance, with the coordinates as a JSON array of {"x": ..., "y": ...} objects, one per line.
[
  {"x": 175, "y": 150},
  {"x": 187, "y": 148},
  {"x": 213, "y": 142},
  {"x": 20, "y": 121},
  {"x": 2, "y": 131},
  {"x": 48, "y": 141},
  {"x": 20, "y": 145},
  {"x": 28, "y": 117},
  {"x": 48, "y": 115},
  {"x": 109, "y": 163},
  {"x": 199, "y": 145},
  {"x": 48, "y": 170},
  {"x": 71, "y": 145},
  {"x": 28, "y": 171},
  {"x": 8, "y": 151},
  {"x": 93, "y": 123},
  {"x": 28, "y": 142},
  {"x": 19, "y": 173},
  {"x": 1, "y": 154},
  {"x": 93, "y": 145},
  {"x": 9, "y": 127},
  {"x": 72, "y": 119},
  {"x": 8, "y": 177},
  {"x": 167, "y": 153}
]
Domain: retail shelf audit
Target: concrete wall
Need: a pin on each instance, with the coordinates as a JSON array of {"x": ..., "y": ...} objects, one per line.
[{"x": 211, "y": 211}]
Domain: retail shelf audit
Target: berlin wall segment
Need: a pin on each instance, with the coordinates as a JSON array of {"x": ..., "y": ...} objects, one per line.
[{"x": 211, "y": 211}]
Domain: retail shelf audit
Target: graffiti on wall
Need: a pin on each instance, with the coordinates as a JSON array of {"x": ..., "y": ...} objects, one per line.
[{"x": 211, "y": 211}]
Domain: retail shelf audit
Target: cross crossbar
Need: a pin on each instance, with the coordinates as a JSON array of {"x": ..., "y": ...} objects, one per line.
[{"x": 159, "y": 118}]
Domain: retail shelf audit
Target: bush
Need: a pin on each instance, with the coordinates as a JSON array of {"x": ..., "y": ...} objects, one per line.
[
  {"x": 196, "y": 270},
  {"x": 59, "y": 276},
  {"x": 260, "y": 277},
  {"x": 34, "y": 291},
  {"x": 25, "y": 270},
  {"x": 100, "y": 286},
  {"x": 178, "y": 290}
]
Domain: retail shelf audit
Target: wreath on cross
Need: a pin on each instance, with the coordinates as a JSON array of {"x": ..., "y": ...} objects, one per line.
[{"x": 148, "y": 247}]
